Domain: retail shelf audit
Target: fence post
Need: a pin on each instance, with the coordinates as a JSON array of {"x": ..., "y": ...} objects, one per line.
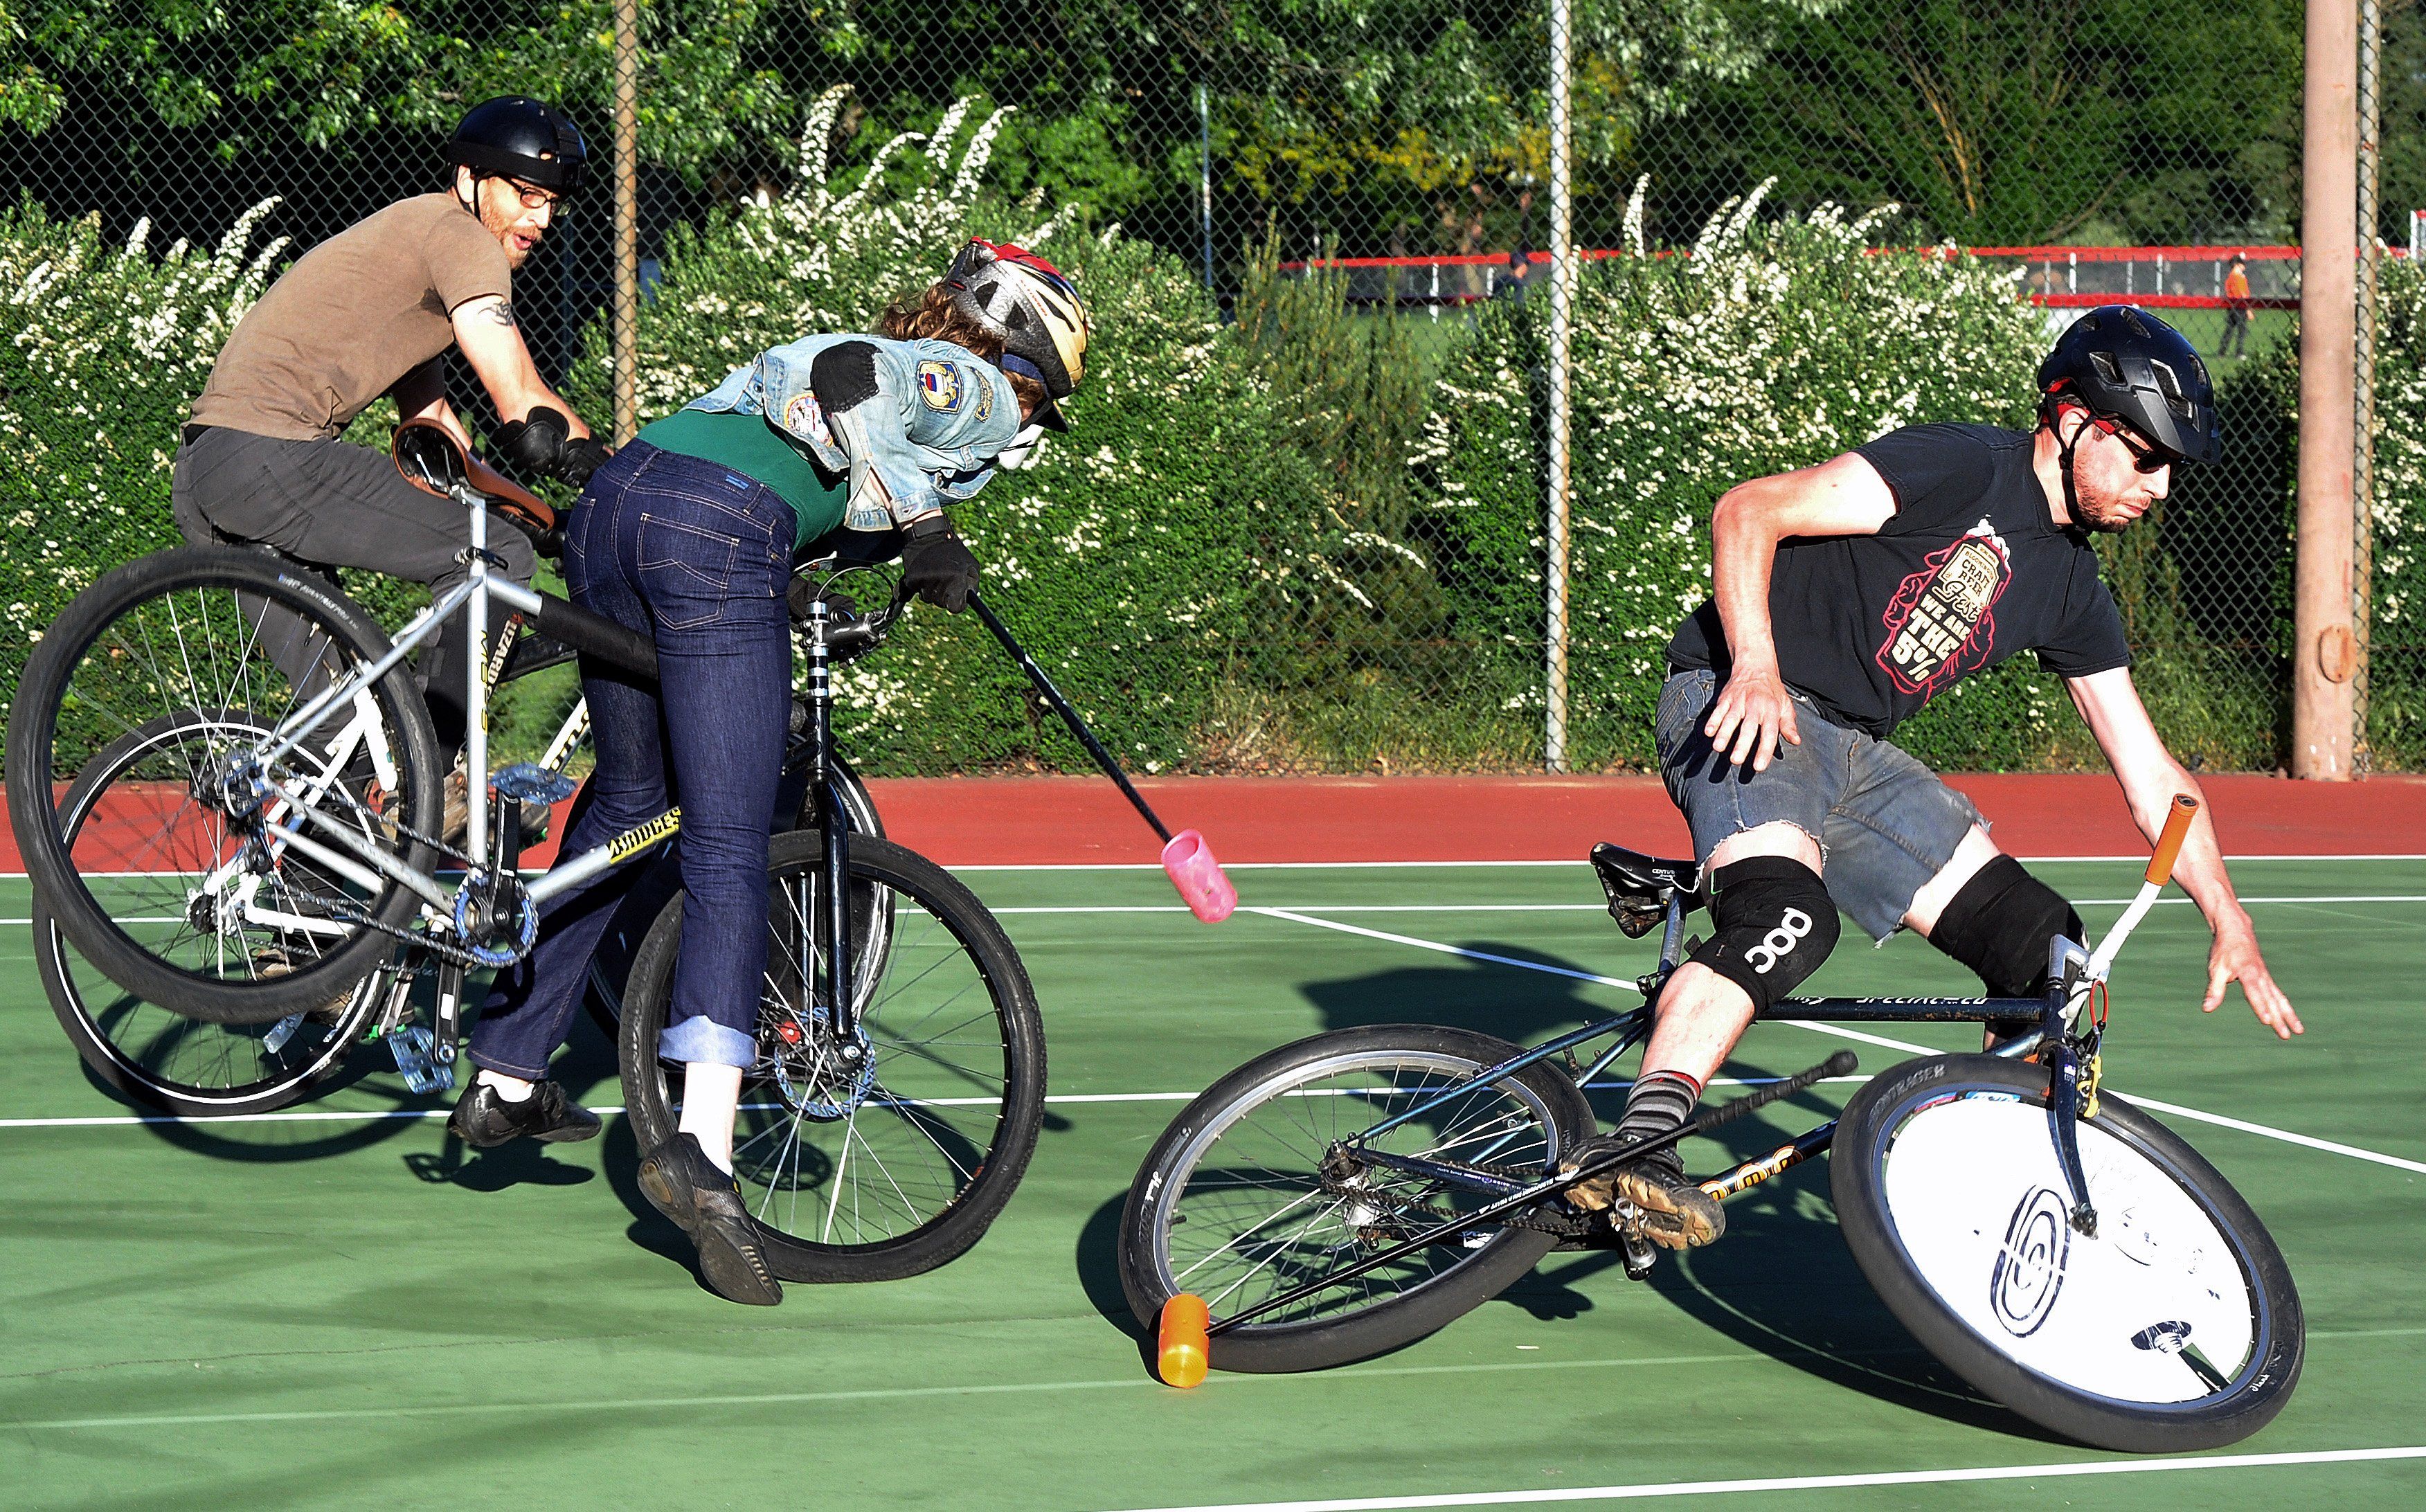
[
  {"x": 626, "y": 329},
  {"x": 2371, "y": 100},
  {"x": 2324, "y": 648},
  {"x": 1204, "y": 178},
  {"x": 1562, "y": 258}
]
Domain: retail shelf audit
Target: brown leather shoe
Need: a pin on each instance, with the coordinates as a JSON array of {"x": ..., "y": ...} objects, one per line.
[{"x": 1676, "y": 1212}]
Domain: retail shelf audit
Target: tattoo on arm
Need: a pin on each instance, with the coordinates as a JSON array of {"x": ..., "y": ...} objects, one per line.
[{"x": 502, "y": 314}]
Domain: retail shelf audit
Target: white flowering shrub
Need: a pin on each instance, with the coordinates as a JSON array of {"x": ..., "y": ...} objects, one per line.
[
  {"x": 2397, "y": 638},
  {"x": 1771, "y": 345},
  {"x": 1142, "y": 557},
  {"x": 103, "y": 349}
]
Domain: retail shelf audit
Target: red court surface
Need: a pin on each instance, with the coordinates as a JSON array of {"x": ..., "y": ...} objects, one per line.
[
  {"x": 999, "y": 821},
  {"x": 977, "y": 821}
]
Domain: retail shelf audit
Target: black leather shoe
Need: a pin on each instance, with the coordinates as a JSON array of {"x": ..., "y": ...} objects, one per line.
[
  {"x": 485, "y": 1120},
  {"x": 683, "y": 1183}
]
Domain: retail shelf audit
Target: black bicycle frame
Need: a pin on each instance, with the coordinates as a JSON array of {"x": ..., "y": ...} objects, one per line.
[
  {"x": 1633, "y": 1027},
  {"x": 833, "y": 822}
]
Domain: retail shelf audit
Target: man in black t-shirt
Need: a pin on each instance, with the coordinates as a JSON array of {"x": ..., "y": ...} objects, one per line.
[{"x": 1850, "y": 594}]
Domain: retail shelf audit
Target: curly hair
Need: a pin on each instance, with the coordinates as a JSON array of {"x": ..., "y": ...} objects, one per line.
[{"x": 932, "y": 316}]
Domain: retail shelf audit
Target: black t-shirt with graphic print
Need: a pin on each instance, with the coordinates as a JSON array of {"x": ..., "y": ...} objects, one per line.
[{"x": 1969, "y": 569}]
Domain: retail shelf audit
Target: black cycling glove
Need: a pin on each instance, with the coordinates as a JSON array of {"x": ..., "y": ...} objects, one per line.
[
  {"x": 533, "y": 446},
  {"x": 582, "y": 455},
  {"x": 936, "y": 566}
]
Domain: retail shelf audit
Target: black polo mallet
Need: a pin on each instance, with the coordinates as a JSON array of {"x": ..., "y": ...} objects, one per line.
[{"x": 1186, "y": 858}]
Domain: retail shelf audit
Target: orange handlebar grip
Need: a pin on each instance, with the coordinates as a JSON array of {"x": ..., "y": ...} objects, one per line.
[
  {"x": 1184, "y": 1351},
  {"x": 2169, "y": 844}
]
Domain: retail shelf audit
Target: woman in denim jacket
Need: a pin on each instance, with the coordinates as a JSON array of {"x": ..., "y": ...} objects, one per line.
[{"x": 689, "y": 534}]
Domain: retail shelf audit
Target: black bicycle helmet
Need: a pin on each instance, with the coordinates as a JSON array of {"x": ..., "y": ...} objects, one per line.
[
  {"x": 2130, "y": 366},
  {"x": 516, "y": 136}
]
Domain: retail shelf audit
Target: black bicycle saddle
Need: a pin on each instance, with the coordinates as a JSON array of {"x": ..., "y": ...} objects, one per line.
[{"x": 1640, "y": 886}]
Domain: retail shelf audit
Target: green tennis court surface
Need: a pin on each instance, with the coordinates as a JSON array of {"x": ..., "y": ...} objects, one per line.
[{"x": 335, "y": 1308}]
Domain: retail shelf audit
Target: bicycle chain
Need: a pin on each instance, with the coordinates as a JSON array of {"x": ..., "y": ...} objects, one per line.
[
  {"x": 344, "y": 911},
  {"x": 1563, "y": 1228}
]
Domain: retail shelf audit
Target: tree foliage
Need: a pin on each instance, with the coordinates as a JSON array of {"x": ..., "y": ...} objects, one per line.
[{"x": 2017, "y": 121}]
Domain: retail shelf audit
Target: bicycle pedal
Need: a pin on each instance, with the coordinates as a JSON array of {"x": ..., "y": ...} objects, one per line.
[
  {"x": 280, "y": 1032},
  {"x": 412, "y": 1046},
  {"x": 533, "y": 784}
]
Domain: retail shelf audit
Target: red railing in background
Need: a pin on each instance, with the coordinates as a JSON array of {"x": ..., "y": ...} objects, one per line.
[{"x": 2056, "y": 278}]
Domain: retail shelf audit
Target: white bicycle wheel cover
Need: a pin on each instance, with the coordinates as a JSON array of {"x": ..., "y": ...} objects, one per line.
[{"x": 1977, "y": 1198}]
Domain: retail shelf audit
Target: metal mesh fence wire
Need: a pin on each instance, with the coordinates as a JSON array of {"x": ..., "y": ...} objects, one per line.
[{"x": 1361, "y": 191}]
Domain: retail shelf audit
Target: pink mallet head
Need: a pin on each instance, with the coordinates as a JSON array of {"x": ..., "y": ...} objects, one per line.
[{"x": 1190, "y": 863}]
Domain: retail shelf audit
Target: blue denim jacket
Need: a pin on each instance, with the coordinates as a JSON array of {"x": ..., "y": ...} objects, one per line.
[{"x": 928, "y": 439}]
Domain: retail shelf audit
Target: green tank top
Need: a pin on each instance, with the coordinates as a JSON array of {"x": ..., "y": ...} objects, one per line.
[{"x": 748, "y": 445}]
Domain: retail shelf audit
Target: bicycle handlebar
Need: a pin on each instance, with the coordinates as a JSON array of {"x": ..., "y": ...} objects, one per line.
[{"x": 2169, "y": 844}]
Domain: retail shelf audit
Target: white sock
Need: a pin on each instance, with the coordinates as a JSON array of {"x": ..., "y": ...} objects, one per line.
[{"x": 508, "y": 1089}]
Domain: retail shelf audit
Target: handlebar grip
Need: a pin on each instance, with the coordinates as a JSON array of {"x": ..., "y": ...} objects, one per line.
[{"x": 2169, "y": 844}]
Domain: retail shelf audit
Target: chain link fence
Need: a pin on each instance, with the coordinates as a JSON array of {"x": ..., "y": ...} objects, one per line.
[{"x": 1301, "y": 525}]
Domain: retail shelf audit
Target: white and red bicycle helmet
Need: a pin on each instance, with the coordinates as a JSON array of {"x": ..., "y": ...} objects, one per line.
[{"x": 1024, "y": 299}]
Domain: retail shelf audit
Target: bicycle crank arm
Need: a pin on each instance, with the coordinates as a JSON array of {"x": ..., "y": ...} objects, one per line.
[{"x": 1840, "y": 1064}]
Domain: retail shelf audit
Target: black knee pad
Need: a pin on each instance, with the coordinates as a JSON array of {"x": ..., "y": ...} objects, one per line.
[
  {"x": 1999, "y": 924},
  {"x": 1776, "y": 925},
  {"x": 844, "y": 376}
]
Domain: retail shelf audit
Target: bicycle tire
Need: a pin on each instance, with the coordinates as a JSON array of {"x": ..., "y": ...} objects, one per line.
[
  {"x": 984, "y": 1142},
  {"x": 612, "y": 962},
  {"x": 1149, "y": 1274},
  {"x": 2180, "y": 1272},
  {"x": 132, "y": 1050},
  {"x": 113, "y": 695}
]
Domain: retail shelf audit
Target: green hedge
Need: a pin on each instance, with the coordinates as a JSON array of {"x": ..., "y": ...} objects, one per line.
[{"x": 1303, "y": 540}]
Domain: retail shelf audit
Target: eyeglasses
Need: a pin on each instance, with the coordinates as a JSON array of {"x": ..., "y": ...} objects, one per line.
[
  {"x": 2145, "y": 458},
  {"x": 533, "y": 197}
]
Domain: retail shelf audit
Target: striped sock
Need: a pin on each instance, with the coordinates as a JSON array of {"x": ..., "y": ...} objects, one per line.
[{"x": 1660, "y": 1101}]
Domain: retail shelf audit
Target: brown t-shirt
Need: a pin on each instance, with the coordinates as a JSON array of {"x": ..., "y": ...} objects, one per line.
[{"x": 353, "y": 316}]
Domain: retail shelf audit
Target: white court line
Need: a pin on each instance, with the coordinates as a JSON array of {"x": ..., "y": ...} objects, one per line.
[
  {"x": 1821, "y": 1483},
  {"x": 1838, "y": 1031},
  {"x": 1465, "y": 908},
  {"x": 378, "y": 1114},
  {"x": 2140, "y": 860}
]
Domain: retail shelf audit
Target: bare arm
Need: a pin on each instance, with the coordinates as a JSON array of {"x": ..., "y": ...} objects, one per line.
[
  {"x": 492, "y": 340},
  {"x": 2150, "y": 776},
  {"x": 421, "y": 395},
  {"x": 1842, "y": 496}
]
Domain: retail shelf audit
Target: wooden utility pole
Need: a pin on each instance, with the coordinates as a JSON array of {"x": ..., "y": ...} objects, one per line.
[{"x": 2324, "y": 648}]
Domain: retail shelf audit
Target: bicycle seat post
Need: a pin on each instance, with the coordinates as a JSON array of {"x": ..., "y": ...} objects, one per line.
[{"x": 476, "y": 661}]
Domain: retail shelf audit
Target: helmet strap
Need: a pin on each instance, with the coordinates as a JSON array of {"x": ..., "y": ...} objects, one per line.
[
  {"x": 1011, "y": 362},
  {"x": 2053, "y": 407}
]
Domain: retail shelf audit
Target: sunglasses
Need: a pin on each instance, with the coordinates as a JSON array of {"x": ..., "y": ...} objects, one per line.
[{"x": 2145, "y": 458}]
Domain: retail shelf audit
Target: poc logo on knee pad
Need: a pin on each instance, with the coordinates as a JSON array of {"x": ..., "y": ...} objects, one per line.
[
  {"x": 1791, "y": 930},
  {"x": 1777, "y": 924}
]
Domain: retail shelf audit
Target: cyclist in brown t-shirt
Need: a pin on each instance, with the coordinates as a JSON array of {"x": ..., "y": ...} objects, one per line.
[{"x": 372, "y": 310}]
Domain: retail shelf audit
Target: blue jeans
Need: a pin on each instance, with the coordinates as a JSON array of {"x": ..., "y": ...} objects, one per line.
[
  {"x": 1883, "y": 822},
  {"x": 698, "y": 557}
]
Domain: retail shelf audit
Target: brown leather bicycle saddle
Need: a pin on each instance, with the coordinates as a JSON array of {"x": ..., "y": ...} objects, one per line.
[
  {"x": 1640, "y": 886},
  {"x": 430, "y": 458}
]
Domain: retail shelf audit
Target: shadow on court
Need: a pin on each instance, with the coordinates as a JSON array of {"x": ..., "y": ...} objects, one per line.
[{"x": 1781, "y": 1282}]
